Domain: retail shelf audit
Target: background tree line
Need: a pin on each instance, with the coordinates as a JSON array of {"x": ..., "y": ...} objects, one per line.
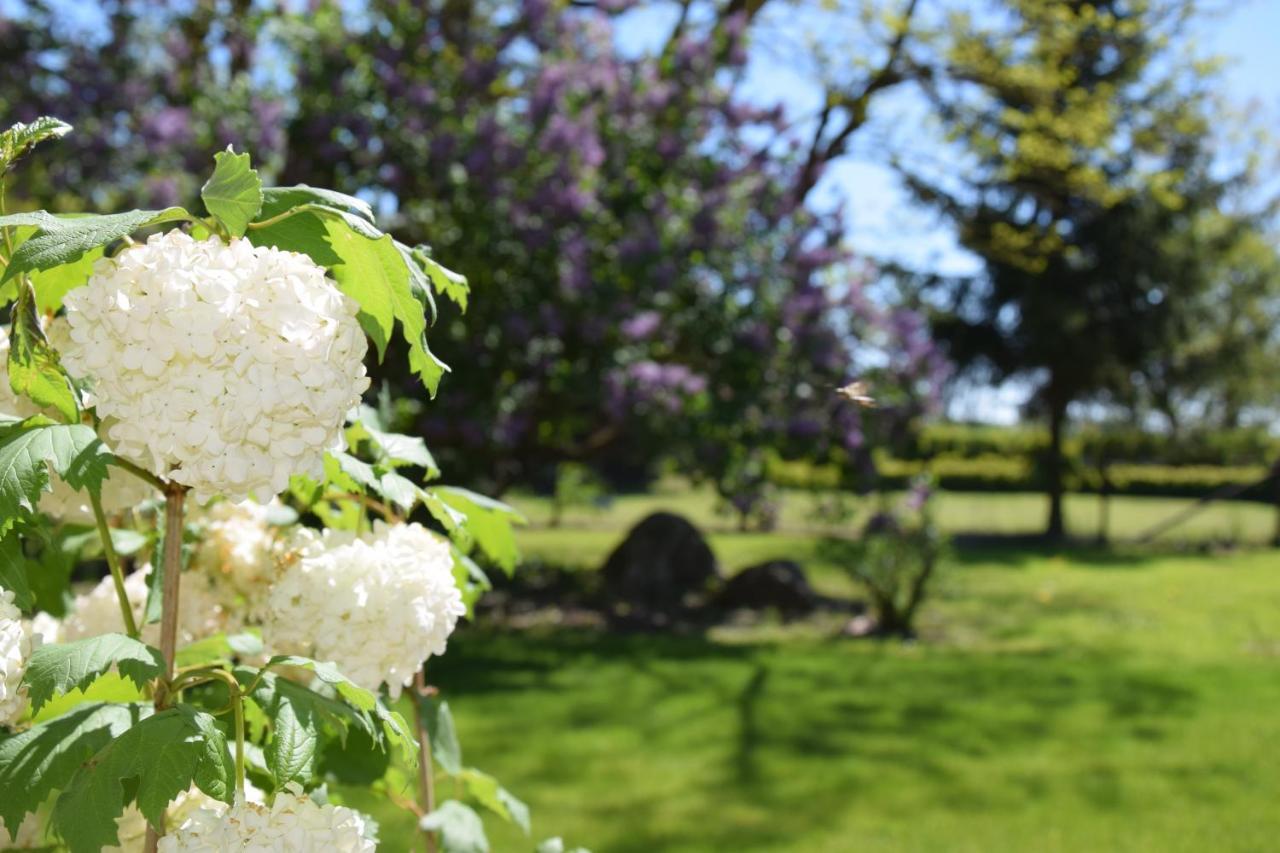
[{"x": 654, "y": 275}]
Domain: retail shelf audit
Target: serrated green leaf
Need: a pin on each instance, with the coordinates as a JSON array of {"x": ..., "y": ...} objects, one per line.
[
  {"x": 34, "y": 368},
  {"x": 398, "y": 490},
  {"x": 486, "y": 791},
  {"x": 395, "y": 449},
  {"x": 53, "y": 284},
  {"x": 111, "y": 687},
  {"x": 64, "y": 239},
  {"x": 233, "y": 194},
  {"x": 391, "y": 722},
  {"x": 291, "y": 753},
  {"x": 447, "y": 282},
  {"x": 276, "y": 200},
  {"x": 470, "y": 579},
  {"x": 20, "y": 138},
  {"x": 162, "y": 755},
  {"x": 62, "y": 667},
  {"x": 13, "y": 571},
  {"x": 43, "y": 758},
  {"x": 460, "y": 828},
  {"x": 445, "y": 748},
  {"x": 359, "y": 760},
  {"x": 360, "y": 472},
  {"x": 489, "y": 524},
  {"x": 29, "y": 449},
  {"x": 371, "y": 271}
]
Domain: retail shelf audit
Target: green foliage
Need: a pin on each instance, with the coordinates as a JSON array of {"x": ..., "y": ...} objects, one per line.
[
  {"x": 21, "y": 138},
  {"x": 60, "y": 668},
  {"x": 446, "y": 751},
  {"x": 65, "y": 239},
  {"x": 233, "y": 194},
  {"x": 34, "y": 368},
  {"x": 460, "y": 828},
  {"x": 29, "y": 449},
  {"x": 488, "y": 524},
  {"x": 486, "y": 791},
  {"x": 44, "y": 758},
  {"x": 367, "y": 267},
  {"x": 278, "y": 200},
  {"x": 372, "y": 714},
  {"x": 13, "y": 570},
  {"x": 151, "y": 763}
]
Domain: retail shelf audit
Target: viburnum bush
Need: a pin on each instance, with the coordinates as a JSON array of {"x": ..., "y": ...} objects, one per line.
[{"x": 185, "y": 401}]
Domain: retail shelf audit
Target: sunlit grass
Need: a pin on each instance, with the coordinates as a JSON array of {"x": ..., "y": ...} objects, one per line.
[{"x": 1088, "y": 701}]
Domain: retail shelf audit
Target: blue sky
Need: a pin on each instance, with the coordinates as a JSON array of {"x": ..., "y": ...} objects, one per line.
[{"x": 882, "y": 221}]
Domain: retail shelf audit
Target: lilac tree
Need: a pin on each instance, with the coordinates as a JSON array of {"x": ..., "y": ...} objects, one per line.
[{"x": 654, "y": 278}]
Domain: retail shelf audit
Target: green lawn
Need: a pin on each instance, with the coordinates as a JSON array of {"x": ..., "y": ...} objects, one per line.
[{"x": 1088, "y": 702}]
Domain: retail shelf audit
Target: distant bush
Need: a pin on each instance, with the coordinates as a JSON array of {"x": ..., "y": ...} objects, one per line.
[{"x": 968, "y": 457}]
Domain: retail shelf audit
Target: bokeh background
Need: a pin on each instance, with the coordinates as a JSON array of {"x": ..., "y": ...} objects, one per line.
[{"x": 1012, "y": 588}]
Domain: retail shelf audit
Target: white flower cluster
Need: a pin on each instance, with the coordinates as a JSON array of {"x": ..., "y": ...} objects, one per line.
[
  {"x": 201, "y": 611},
  {"x": 377, "y": 606},
  {"x": 293, "y": 822},
  {"x": 120, "y": 491},
  {"x": 227, "y": 368},
  {"x": 238, "y": 547},
  {"x": 131, "y": 827},
  {"x": 17, "y": 642}
]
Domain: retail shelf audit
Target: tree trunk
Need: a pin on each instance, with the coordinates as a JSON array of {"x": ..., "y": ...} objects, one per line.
[{"x": 1055, "y": 530}]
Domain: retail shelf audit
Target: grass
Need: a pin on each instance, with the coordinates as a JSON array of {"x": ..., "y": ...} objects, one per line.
[{"x": 1094, "y": 700}]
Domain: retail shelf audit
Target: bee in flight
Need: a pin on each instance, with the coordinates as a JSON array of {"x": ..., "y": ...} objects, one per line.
[{"x": 858, "y": 392}]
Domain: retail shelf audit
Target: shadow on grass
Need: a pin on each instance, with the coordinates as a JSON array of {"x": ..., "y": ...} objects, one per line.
[
  {"x": 1018, "y": 551},
  {"x": 776, "y": 739}
]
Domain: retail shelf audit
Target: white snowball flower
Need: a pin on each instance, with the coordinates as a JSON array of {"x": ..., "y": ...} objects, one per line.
[
  {"x": 16, "y": 645},
  {"x": 238, "y": 548},
  {"x": 120, "y": 491},
  {"x": 131, "y": 827},
  {"x": 377, "y": 606},
  {"x": 293, "y": 822},
  {"x": 228, "y": 368},
  {"x": 201, "y": 612}
]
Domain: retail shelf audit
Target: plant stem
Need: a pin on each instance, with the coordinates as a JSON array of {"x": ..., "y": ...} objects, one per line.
[
  {"x": 138, "y": 471},
  {"x": 319, "y": 209},
  {"x": 113, "y": 563},
  {"x": 175, "y": 496},
  {"x": 426, "y": 774}
]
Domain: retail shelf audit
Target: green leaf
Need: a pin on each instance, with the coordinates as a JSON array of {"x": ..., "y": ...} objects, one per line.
[
  {"x": 62, "y": 667},
  {"x": 13, "y": 571},
  {"x": 371, "y": 271},
  {"x": 63, "y": 239},
  {"x": 395, "y": 449},
  {"x": 460, "y": 828},
  {"x": 276, "y": 200},
  {"x": 400, "y": 491},
  {"x": 470, "y": 579},
  {"x": 392, "y": 723},
  {"x": 291, "y": 752},
  {"x": 233, "y": 194},
  {"x": 486, "y": 791},
  {"x": 34, "y": 368},
  {"x": 111, "y": 687},
  {"x": 43, "y": 758},
  {"x": 445, "y": 748},
  {"x": 21, "y": 138},
  {"x": 359, "y": 760},
  {"x": 157, "y": 759},
  {"x": 447, "y": 282},
  {"x": 488, "y": 525},
  {"x": 53, "y": 284},
  {"x": 28, "y": 450},
  {"x": 359, "y": 472}
]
